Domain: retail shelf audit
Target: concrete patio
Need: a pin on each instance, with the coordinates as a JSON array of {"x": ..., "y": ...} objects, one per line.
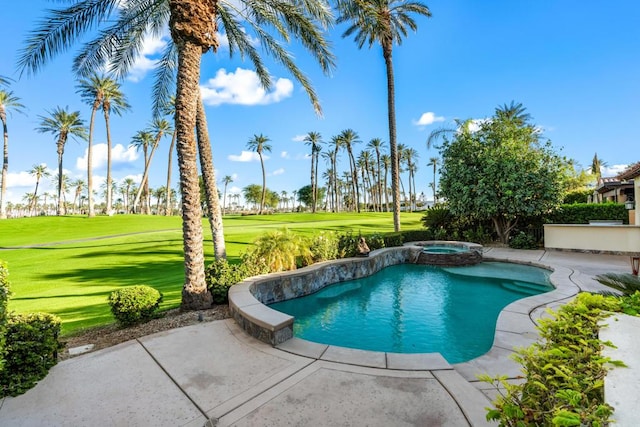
[{"x": 215, "y": 374}]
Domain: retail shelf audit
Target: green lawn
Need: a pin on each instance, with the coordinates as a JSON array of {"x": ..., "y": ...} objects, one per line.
[{"x": 78, "y": 261}]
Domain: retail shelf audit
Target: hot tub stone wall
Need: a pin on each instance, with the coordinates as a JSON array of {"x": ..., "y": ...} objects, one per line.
[{"x": 248, "y": 299}]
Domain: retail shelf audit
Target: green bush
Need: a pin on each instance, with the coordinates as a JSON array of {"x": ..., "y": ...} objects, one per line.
[
  {"x": 4, "y": 299},
  {"x": 523, "y": 240},
  {"x": 347, "y": 245},
  {"x": 439, "y": 217},
  {"x": 323, "y": 246},
  {"x": 134, "y": 304},
  {"x": 577, "y": 196},
  {"x": 375, "y": 241},
  {"x": 393, "y": 239},
  {"x": 281, "y": 250},
  {"x": 220, "y": 276},
  {"x": 417, "y": 235},
  {"x": 477, "y": 235},
  {"x": 582, "y": 213},
  {"x": 563, "y": 372},
  {"x": 32, "y": 349}
]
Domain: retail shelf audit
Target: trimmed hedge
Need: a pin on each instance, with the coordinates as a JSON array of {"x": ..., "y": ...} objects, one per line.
[
  {"x": 582, "y": 213},
  {"x": 134, "y": 304},
  {"x": 32, "y": 349}
]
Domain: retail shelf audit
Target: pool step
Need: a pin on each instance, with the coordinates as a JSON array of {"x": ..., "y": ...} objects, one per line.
[{"x": 527, "y": 288}]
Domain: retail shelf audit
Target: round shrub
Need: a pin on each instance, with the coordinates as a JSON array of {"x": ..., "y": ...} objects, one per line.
[
  {"x": 523, "y": 240},
  {"x": 134, "y": 304},
  {"x": 32, "y": 347}
]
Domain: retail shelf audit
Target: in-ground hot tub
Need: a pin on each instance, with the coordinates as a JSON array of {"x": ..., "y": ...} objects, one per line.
[{"x": 449, "y": 253}]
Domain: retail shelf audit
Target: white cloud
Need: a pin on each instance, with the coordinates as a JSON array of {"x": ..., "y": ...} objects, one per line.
[
  {"x": 285, "y": 155},
  {"x": 277, "y": 172},
  {"x": 613, "y": 170},
  {"x": 299, "y": 138},
  {"x": 243, "y": 87},
  {"x": 245, "y": 156},
  {"x": 427, "y": 119},
  {"x": 119, "y": 155},
  {"x": 234, "y": 190},
  {"x": 152, "y": 47}
]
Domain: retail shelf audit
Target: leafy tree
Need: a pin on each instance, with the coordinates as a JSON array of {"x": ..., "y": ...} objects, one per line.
[
  {"x": 385, "y": 22},
  {"x": 252, "y": 194},
  {"x": 62, "y": 124},
  {"x": 306, "y": 196},
  {"x": 596, "y": 166},
  {"x": 259, "y": 144},
  {"x": 8, "y": 102},
  {"x": 500, "y": 172}
]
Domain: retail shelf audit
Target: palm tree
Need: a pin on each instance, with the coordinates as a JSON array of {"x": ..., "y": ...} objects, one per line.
[
  {"x": 514, "y": 112},
  {"x": 62, "y": 124},
  {"x": 385, "y": 22},
  {"x": 113, "y": 101},
  {"x": 377, "y": 144},
  {"x": 158, "y": 128},
  {"x": 100, "y": 91},
  {"x": 214, "y": 212},
  {"x": 79, "y": 186},
  {"x": 314, "y": 139},
  {"x": 8, "y": 102},
  {"x": 38, "y": 171},
  {"x": 170, "y": 110},
  {"x": 386, "y": 162},
  {"x": 434, "y": 161},
  {"x": 143, "y": 139},
  {"x": 193, "y": 27},
  {"x": 410, "y": 156},
  {"x": 128, "y": 184},
  {"x": 259, "y": 144},
  {"x": 348, "y": 138},
  {"x": 226, "y": 181}
]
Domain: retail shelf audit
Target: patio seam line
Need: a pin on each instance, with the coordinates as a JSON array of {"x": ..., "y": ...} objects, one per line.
[
  {"x": 267, "y": 389},
  {"x": 462, "y": 411},
  {"x": 204, "y": 414}
]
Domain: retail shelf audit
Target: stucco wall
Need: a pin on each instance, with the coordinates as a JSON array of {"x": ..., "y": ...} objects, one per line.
[{"x": 619, "y": 239}]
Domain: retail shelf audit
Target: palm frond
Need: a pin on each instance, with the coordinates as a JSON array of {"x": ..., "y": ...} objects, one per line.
[
  {"x": 59, "y": 29},
  {"x": 625, "y": 283}
]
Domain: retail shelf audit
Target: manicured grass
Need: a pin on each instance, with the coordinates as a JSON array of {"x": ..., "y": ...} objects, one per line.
[{"x": 77, "y": 261}]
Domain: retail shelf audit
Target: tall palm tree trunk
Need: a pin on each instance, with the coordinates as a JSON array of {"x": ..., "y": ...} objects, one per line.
[
  {"x": 167, "y": 211},
  {"x": 393, "y": 145},
  {"x": 61, "y": 142},
  {"x": 109, "y": 178},
  {"x": 5, "y": 170},
  {"x": 210, "y": 186},
  {"x": 91, "y": 211},
  {"x": 264, "y": 184},
  {"x": 192, "y": 25},
  {"x": 144, "y": 183},
  {"x": 313, "y": 180},
  {"x": 315, "y": 193}
]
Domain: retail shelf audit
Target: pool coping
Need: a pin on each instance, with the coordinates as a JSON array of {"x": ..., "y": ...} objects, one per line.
[{"x": 515, "y": 327}]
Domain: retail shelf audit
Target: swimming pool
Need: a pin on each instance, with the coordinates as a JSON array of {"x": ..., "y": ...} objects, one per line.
[{"x": 410, "y": 308}]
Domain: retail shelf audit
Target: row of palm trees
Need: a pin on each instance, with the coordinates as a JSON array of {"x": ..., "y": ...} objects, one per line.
[{"x": 194, "y": 26}]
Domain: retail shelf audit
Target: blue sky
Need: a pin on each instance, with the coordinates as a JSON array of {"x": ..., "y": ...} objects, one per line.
[{"x": 573, "y": 65}]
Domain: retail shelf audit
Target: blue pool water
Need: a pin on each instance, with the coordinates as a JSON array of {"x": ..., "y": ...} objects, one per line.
[{"x": 412, "y": 308}]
